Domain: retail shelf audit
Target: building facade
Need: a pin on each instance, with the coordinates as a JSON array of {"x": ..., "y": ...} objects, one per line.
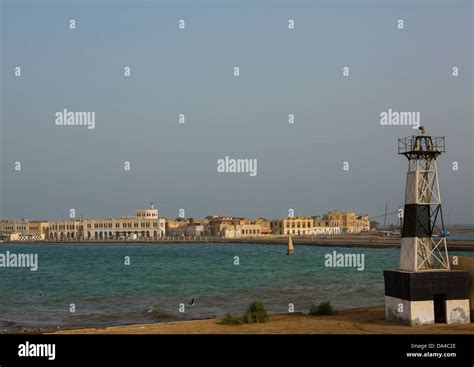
[
  {"x": 187, "y": 231},
  {"x": 323, "y": 226},
  {"x": 299, "y": 226},
  {"x": 24, "y": 230},
  {"x": 242, "y": 231},
  {"x": 232, "y": 227},
  {"x": 348, "y": 222},
  {"x": 144, "y": 224}
]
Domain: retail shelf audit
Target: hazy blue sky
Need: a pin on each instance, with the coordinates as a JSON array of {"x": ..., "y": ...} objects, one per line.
[{"x": 191, "y": 71}]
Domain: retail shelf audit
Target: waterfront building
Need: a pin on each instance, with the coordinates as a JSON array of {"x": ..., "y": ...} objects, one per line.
[
  {"x": 332, "y": 223},
  {"x": 199, "y": 222},
  {"x": 324, "y": 226},
  {"x": 344, "y": 220},
  {"x": 362, "y": 223},
  {"x": 293, "y": 225},
  {"x": 232, "y": 227},
  {"x": 147, "y": 224},
  {"x": 264, "y": 224},
  {"x": 250, "y": 230},
  {"x": 188, "y": 231},
  {"x": 172, "y": 224},
  {"x": 242, "y": 231},
  {"x": 144, "y": 224},
  {"x": 24, "y": 230},
  {"x": 349, "y": 222},
  {"x": 65, "y": 230},
  {"x": 7, "y": 227},
  {"x": 218, "y": 224},
  {"x": 327, "y": 231}
]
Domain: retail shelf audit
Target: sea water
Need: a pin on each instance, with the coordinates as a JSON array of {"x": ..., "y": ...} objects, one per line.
[{"x": 99, "y": 285}]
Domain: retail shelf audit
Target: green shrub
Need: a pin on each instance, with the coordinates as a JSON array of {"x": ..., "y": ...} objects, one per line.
[
  {"x": 230, "y": 319},
  {"x": 256, "y": 312},
  {"x": 324, "y": 308}
]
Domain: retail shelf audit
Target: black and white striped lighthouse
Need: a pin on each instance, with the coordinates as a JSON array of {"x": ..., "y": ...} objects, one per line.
[
  {"x": 423, "y": 236},
  {"x": 424, "y": 290}
]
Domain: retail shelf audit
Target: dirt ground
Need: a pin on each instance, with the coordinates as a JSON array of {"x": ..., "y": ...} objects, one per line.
[{"x": 357, "y": 321}]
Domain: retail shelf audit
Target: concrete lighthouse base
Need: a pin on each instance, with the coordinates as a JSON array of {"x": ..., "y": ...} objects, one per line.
[{"x": 428, "y": 297}]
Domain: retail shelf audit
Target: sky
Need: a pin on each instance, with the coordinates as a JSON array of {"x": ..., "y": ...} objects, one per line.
[{"x": 191, "y": 71}]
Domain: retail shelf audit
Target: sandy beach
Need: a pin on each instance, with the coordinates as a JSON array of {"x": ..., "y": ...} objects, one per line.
[{"x": 355, "y": 321}]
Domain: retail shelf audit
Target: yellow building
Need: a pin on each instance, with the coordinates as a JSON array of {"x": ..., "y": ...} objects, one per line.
[
  {"x": 293, "y": 225},
  {"x": 232, "y": 227},
  {"x": 217, "y": 225},
  {"x": 362, "y": 223},
  {"x": 324, "y": 226},
  {"x": 7, "y": 227},
  {"x": 242, "y": 230},
  {"x": 174, "y": 224},
  {"x": 332, "y": 223},
  {"x": 24, "y": 230},
  {"x": 349, "y": 222}
]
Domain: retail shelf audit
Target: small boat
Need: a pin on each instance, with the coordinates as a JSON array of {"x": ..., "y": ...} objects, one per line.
[{"x": 291, "y": 249}]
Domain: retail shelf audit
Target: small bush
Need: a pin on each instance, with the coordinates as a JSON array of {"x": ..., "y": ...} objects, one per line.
[
  {"x": 324, "y": 308},
  {"x": 230, "y": 319},
  {"x": 255, "y": 313}
]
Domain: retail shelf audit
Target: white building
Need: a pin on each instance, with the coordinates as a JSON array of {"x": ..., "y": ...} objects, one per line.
[{"x": 144, "y": 224}]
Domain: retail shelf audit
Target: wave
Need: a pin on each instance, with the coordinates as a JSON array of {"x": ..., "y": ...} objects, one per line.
[{"x": 158, "y": 314}]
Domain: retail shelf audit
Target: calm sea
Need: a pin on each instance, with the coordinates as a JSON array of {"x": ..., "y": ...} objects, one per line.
[{"x": 105, "y": 291}]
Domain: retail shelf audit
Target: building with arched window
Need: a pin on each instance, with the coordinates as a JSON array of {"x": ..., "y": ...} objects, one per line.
[{"x": 144, "y": 224}]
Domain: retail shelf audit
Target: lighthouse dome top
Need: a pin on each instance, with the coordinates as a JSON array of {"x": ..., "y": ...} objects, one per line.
[{"x": 421, "y": 146}]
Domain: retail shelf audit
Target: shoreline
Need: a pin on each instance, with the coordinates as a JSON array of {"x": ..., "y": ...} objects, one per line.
[
  {"x": 368, "y": 320},
  {"x": 350, "y": 241}
]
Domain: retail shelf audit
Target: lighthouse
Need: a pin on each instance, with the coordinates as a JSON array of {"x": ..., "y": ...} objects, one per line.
[{"x": 424, "y": 290}]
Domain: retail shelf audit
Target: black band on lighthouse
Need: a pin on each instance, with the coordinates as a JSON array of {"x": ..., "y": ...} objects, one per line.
[
  {"x": 416, "y": 221},
  {"x": 423, "y": 286}
]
